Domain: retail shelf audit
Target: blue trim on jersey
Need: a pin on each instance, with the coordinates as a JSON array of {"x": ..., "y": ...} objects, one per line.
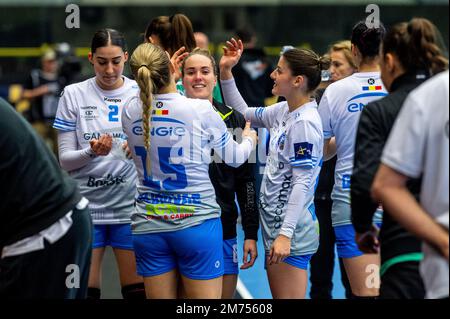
[
  {"x": 163, "y": 119},
  {"x": 303, "y": 165},
  {"x": 223, "y": 140},
  {"x": 65, "y": 122},
  {"x": 64, "y": 125},
  {"x": 327, "y": 134},
  {"x": 62, "y": 128},
  {"x": 367, "y": 95},
  {"x": 259, "y": 112}
]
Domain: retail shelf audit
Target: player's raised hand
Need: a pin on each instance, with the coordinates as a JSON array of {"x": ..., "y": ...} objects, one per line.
[{"x": 232, "y": 52}]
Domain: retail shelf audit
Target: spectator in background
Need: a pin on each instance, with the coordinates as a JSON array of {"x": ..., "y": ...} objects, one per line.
[
  {"x": 252, "y": 73},
  {"x": 201, "y": 40},
  {"x": 42, "y": 89}
]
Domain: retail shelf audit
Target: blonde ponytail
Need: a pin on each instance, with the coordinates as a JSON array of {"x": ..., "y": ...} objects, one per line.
[
  {"x": 146, "y": 95},
  {"x": 150, "y": 67}
]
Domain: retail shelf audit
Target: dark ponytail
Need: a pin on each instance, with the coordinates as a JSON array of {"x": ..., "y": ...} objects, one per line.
[
  {"x": 182, "y": 33},
  {"x": 308, "y": 63},
  {"x": 366, "y": 39},
  {"x": 423, "y": 44},
  {"x": 416, "y": 46},
  {"x": 173, "y": 32}
]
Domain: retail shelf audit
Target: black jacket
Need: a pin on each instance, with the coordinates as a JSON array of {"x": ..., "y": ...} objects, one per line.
[
  {"x": 34, "y": 191},
  {"x": 375, "y": 124},
  {"x": 229, "y": 182}
]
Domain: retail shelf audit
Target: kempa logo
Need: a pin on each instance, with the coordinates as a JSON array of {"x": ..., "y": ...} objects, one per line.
[
  {"x": 109, "y": 180},
  {"x": 159, "y": 104},
  {"x": 106, "y": 99}
]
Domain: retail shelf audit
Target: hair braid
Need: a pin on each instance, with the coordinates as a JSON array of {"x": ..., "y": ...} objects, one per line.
[{"x": 146, "y": 95}]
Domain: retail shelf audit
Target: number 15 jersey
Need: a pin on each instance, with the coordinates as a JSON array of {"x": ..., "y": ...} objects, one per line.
[{"x": 177, "y": 193}]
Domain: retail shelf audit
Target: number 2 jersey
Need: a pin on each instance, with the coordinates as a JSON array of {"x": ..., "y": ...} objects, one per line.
[
  {"x": 177, "y": 193},
  {"x": 109, "y": 182},
  {"x": 340, "y": 109}
]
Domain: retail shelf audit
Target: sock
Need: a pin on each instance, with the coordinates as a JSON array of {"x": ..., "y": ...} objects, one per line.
[{"x": 134, "y": 291}]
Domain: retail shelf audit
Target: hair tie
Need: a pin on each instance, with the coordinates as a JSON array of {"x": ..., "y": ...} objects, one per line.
[{"x": 145, "y": 66}]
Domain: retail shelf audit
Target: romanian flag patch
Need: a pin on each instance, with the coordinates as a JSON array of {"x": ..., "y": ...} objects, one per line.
[
  {"x": 160, "y": 112},
  {"x": 372, "y": 88}
]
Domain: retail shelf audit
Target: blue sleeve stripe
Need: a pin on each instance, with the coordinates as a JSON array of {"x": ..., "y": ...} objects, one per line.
[
  {"x": 259, "y": 112},
  {"x": 314, "y": 159},
  {"x": 64, "y": 122},
  {"x": 63, "y": 128},
  {"x": 313, "y": 163},
  {"x": 303, "y": 161},
  {"x": 328, "y": 134},
  {"x": 224, "y": 140},
  {"x": 302, "y": 165}
]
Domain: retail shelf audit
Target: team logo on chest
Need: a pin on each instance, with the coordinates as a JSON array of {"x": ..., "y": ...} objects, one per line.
[
  {"x": 89, "y": 112},
  {"x": 111, "y": 100},
  {"x": 281, "y": 141}
]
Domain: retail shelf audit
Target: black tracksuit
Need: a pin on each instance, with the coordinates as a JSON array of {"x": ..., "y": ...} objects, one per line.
[
  {"x": 374, "y": 126},
  {"x": 229, "y": 181}
]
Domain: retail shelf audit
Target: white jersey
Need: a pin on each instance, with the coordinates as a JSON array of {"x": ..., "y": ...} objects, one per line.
[
  {"x": 296, "y": 140},
  {"x": 419, "y": 145},
  {"x": 340, "y": 109},
  {"x": 177, "y": 193},
  {"x": 109, "y": 182}
]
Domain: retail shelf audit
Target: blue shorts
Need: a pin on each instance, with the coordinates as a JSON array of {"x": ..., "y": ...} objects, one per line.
[
  {"x": 196, "y": 252},
  {"x": 114, "y": 235},
  {"x": 300, "y": 262},
  {"x": 345, "y": 241},
  {"x": 230, "y": 257}
]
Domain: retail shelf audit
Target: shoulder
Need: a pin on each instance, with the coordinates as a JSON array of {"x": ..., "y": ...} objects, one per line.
[
  {"x": 77, "y": 88},
  {"x": 131, "y": 84},
  {"x": 436, "y": 88},
  {"x": 277, "y": 108},
  {"x": 308, "y": 117},
  {"x": 132, "y": 108}
]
